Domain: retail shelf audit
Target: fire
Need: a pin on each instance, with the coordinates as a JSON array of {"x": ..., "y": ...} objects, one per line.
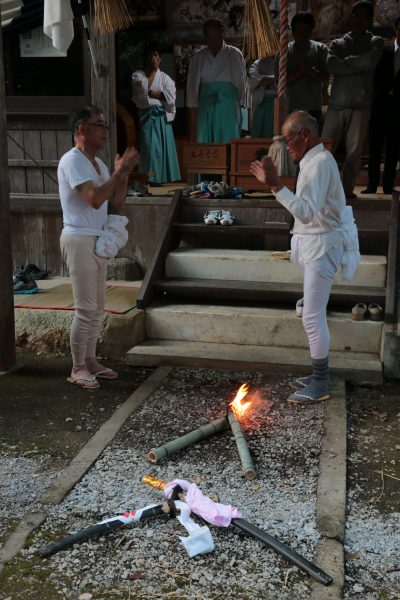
[{"x": 239, "y": 407}]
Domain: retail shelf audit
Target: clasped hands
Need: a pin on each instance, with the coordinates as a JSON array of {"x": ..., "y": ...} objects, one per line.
[
  {"x": 266, "y": 172},
  {"x": 125, "y": 164}
]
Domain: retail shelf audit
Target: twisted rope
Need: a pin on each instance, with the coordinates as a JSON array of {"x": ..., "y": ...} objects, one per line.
[{"x": 283, "y": 49}]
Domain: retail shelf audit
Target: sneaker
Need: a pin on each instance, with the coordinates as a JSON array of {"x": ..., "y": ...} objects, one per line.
[
  {"x": 299, "y": 307},
  {"x": 226, "y": 217},
  {"x": 23, "y": 283},
  {"x": 36, "y": 272},
  {"x": 211, "y": 217}
]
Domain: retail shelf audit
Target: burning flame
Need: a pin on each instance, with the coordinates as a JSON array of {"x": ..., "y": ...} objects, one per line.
[{"x": 239, "y": 407}]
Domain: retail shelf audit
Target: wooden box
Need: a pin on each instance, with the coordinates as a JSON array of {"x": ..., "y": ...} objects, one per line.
[
  {"x": 206, "y": 158},
  {"x": 243, "y": 152}
]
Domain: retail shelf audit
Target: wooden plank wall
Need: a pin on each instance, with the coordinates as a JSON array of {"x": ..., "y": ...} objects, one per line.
[{"x": 44, "y": 139}]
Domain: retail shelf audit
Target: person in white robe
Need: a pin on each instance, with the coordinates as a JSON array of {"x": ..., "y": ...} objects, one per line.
[
  {"x": 216, "y": 87},
  {"x": 154, "y": 94},
  {"x": 263, "y": 94}
]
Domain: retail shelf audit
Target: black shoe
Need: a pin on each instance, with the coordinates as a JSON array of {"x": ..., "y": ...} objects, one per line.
[
  {"x": 23, "y": 283},
  {"x": 36, "y": 272},
  {"x": 369, "y": 190}
]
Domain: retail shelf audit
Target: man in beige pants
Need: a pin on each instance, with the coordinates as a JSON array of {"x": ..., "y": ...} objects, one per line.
[{"x": 86, "y": 187}]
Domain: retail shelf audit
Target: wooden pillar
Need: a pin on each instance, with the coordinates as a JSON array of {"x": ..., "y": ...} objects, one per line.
[
  {"x": 103, "y": 88},
  {"x": 7, "y": 326}
]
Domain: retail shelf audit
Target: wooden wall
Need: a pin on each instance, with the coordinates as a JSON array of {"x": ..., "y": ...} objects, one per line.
[{"x": 39, "y": 137}]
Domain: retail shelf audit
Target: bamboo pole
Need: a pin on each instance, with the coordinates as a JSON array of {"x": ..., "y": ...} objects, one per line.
[
  {"x": 203, "y": 432},
  {"x": 243, "y": 449}
]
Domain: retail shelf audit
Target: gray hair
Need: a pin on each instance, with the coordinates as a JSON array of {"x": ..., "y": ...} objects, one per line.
[{"x": 300, "y": 119}]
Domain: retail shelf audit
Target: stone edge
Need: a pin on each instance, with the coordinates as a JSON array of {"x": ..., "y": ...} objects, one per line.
[{"x": 331, "y": 496}]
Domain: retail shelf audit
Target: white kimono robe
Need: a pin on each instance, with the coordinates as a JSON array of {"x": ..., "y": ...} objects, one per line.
[
  {"x": 161, "y": 83},
  {"x": 204, "y": 67}
]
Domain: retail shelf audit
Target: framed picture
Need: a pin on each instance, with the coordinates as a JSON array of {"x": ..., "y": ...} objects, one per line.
[
  {"x": 185, "y": 19},
  {"x": 149, "y": 12}
]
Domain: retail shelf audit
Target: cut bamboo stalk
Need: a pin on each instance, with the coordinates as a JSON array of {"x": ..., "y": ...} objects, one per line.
[
  {"x": 243, "y": 449},
  {"x": 203, "y": 432}
]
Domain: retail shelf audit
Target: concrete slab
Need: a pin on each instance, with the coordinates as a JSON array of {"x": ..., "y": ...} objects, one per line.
[
  {"x": 17, "y": 539},
  {"x": 257, "y": 265},
  {"x": 355, "y": 367},
  {"x": 256, "y": 326},
  {"x": 329, "y": 557},
  {"x": 331, "y": 493},
  {"x": 48, "y": 330}
]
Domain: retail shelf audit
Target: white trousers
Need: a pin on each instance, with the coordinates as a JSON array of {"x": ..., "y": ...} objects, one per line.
[
  {"x": 88, "y": 274},
  {"x": 318, "y": 279}
]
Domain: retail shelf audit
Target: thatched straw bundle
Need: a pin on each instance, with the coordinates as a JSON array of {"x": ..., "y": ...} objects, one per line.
[
  {"x": 111, "y": 15},
  {"x": 260, "y": 37}
]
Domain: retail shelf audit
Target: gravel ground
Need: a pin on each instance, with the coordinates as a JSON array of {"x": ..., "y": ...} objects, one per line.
[{"x": 147, "y": 560}]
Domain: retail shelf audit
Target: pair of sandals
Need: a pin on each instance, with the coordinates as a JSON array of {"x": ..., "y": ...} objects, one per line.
[
  {"x": 88, "y": 381},
  {"x": 361, "y": 311},
  {"x": 223, "y": 217}
]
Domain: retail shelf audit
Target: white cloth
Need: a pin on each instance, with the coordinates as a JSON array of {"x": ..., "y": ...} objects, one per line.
[
  {"x": 259, "y": 69},
  {"x": 396, "y": 59},
  {"x": 161, "y": 83},
  {"x": 110, "y": 239},
  {"x": 199, "y": 504},
  {"x": 58, "y": 23},
  {"x": 199, "y": 540},
  {"x": 228, "y": 66},
  {"x": 74, "y": 169},
  {"x": 319, "y": 205}
]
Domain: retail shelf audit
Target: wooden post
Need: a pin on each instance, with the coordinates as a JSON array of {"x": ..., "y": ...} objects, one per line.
[
  {"x": 104, "y": 88},
  {"x": 7, "y": 326}
]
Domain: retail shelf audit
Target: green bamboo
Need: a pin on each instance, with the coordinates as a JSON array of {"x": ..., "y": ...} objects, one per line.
[
  {"x": 203, "y": 432},
  {"x": 247, "y": 464}
]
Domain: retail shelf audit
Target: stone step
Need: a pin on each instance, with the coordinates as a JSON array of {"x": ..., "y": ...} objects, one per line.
[
  {"x": 358, "y": 368},
  {"x": 259, "y": 265},
  {"x": 269, "y": 327}
]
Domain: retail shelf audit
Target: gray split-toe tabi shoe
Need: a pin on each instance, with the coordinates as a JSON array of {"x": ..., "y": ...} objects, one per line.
[{"x": 317, "y": 388}]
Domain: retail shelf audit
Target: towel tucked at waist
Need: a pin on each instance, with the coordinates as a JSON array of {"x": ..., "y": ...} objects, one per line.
[{"x": 109, "y": 240}]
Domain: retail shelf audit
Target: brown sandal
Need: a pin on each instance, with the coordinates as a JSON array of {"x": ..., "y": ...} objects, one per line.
[{"x": 87, "y": 382}]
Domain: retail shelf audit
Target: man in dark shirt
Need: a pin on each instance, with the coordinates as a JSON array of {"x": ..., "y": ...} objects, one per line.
[{"x": 385, "y": 117}]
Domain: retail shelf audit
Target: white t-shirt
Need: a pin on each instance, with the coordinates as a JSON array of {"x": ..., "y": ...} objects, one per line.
[{"x": 73, "y": 170}]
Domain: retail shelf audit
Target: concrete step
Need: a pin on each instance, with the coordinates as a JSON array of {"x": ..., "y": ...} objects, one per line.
[
  {"x": 268, "y": 327},
  {"x": 259, "y": 265},
  {"x": 355, "y": 367}
]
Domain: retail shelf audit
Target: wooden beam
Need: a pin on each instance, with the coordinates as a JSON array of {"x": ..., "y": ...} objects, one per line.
[{"x": 7, "y": 326}]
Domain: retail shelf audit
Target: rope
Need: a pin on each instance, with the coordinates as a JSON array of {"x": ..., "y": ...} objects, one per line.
[
  {"x": 32, "y": 159},
  {"x": 283, "y": 49}
]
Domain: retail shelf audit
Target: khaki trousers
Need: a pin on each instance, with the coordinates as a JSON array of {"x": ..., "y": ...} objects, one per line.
[
  {"x": 353, "y": 126},
  {"x": 88, "y": 273}
]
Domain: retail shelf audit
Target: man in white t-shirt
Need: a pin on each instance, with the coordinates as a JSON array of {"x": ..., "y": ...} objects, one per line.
[
  {"x": 86, "y": 187},
  {"x": 324, "y": 238}
]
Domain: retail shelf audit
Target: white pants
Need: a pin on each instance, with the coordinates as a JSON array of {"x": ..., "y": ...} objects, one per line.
[
  {"x": 318, "y": 279},
  {"x": 88, "y": 273}
]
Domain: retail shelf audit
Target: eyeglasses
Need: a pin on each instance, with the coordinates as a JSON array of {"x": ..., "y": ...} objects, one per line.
[
  {"x": 288, "y": 140},
  {"x": 101, "y": 125}
]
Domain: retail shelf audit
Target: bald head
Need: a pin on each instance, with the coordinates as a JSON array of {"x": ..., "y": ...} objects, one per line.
[
  {"x": 302, "y": 120},
  {"x": 301, "y": 133}
]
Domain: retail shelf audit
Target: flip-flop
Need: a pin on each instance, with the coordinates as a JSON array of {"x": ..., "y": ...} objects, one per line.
[
  {"x": 87, "y": 383},
  {"x": 106, "y": 374}
]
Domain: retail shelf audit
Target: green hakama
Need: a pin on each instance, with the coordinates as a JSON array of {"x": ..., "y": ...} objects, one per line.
[
  {"x": 218, "y": 113},
  {"x": 157, "y": 146}
]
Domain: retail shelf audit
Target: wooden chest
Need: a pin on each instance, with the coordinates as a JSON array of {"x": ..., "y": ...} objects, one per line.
[
  {"x": 243, "y": 152},
  {"x": 206, "y": 158}
]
